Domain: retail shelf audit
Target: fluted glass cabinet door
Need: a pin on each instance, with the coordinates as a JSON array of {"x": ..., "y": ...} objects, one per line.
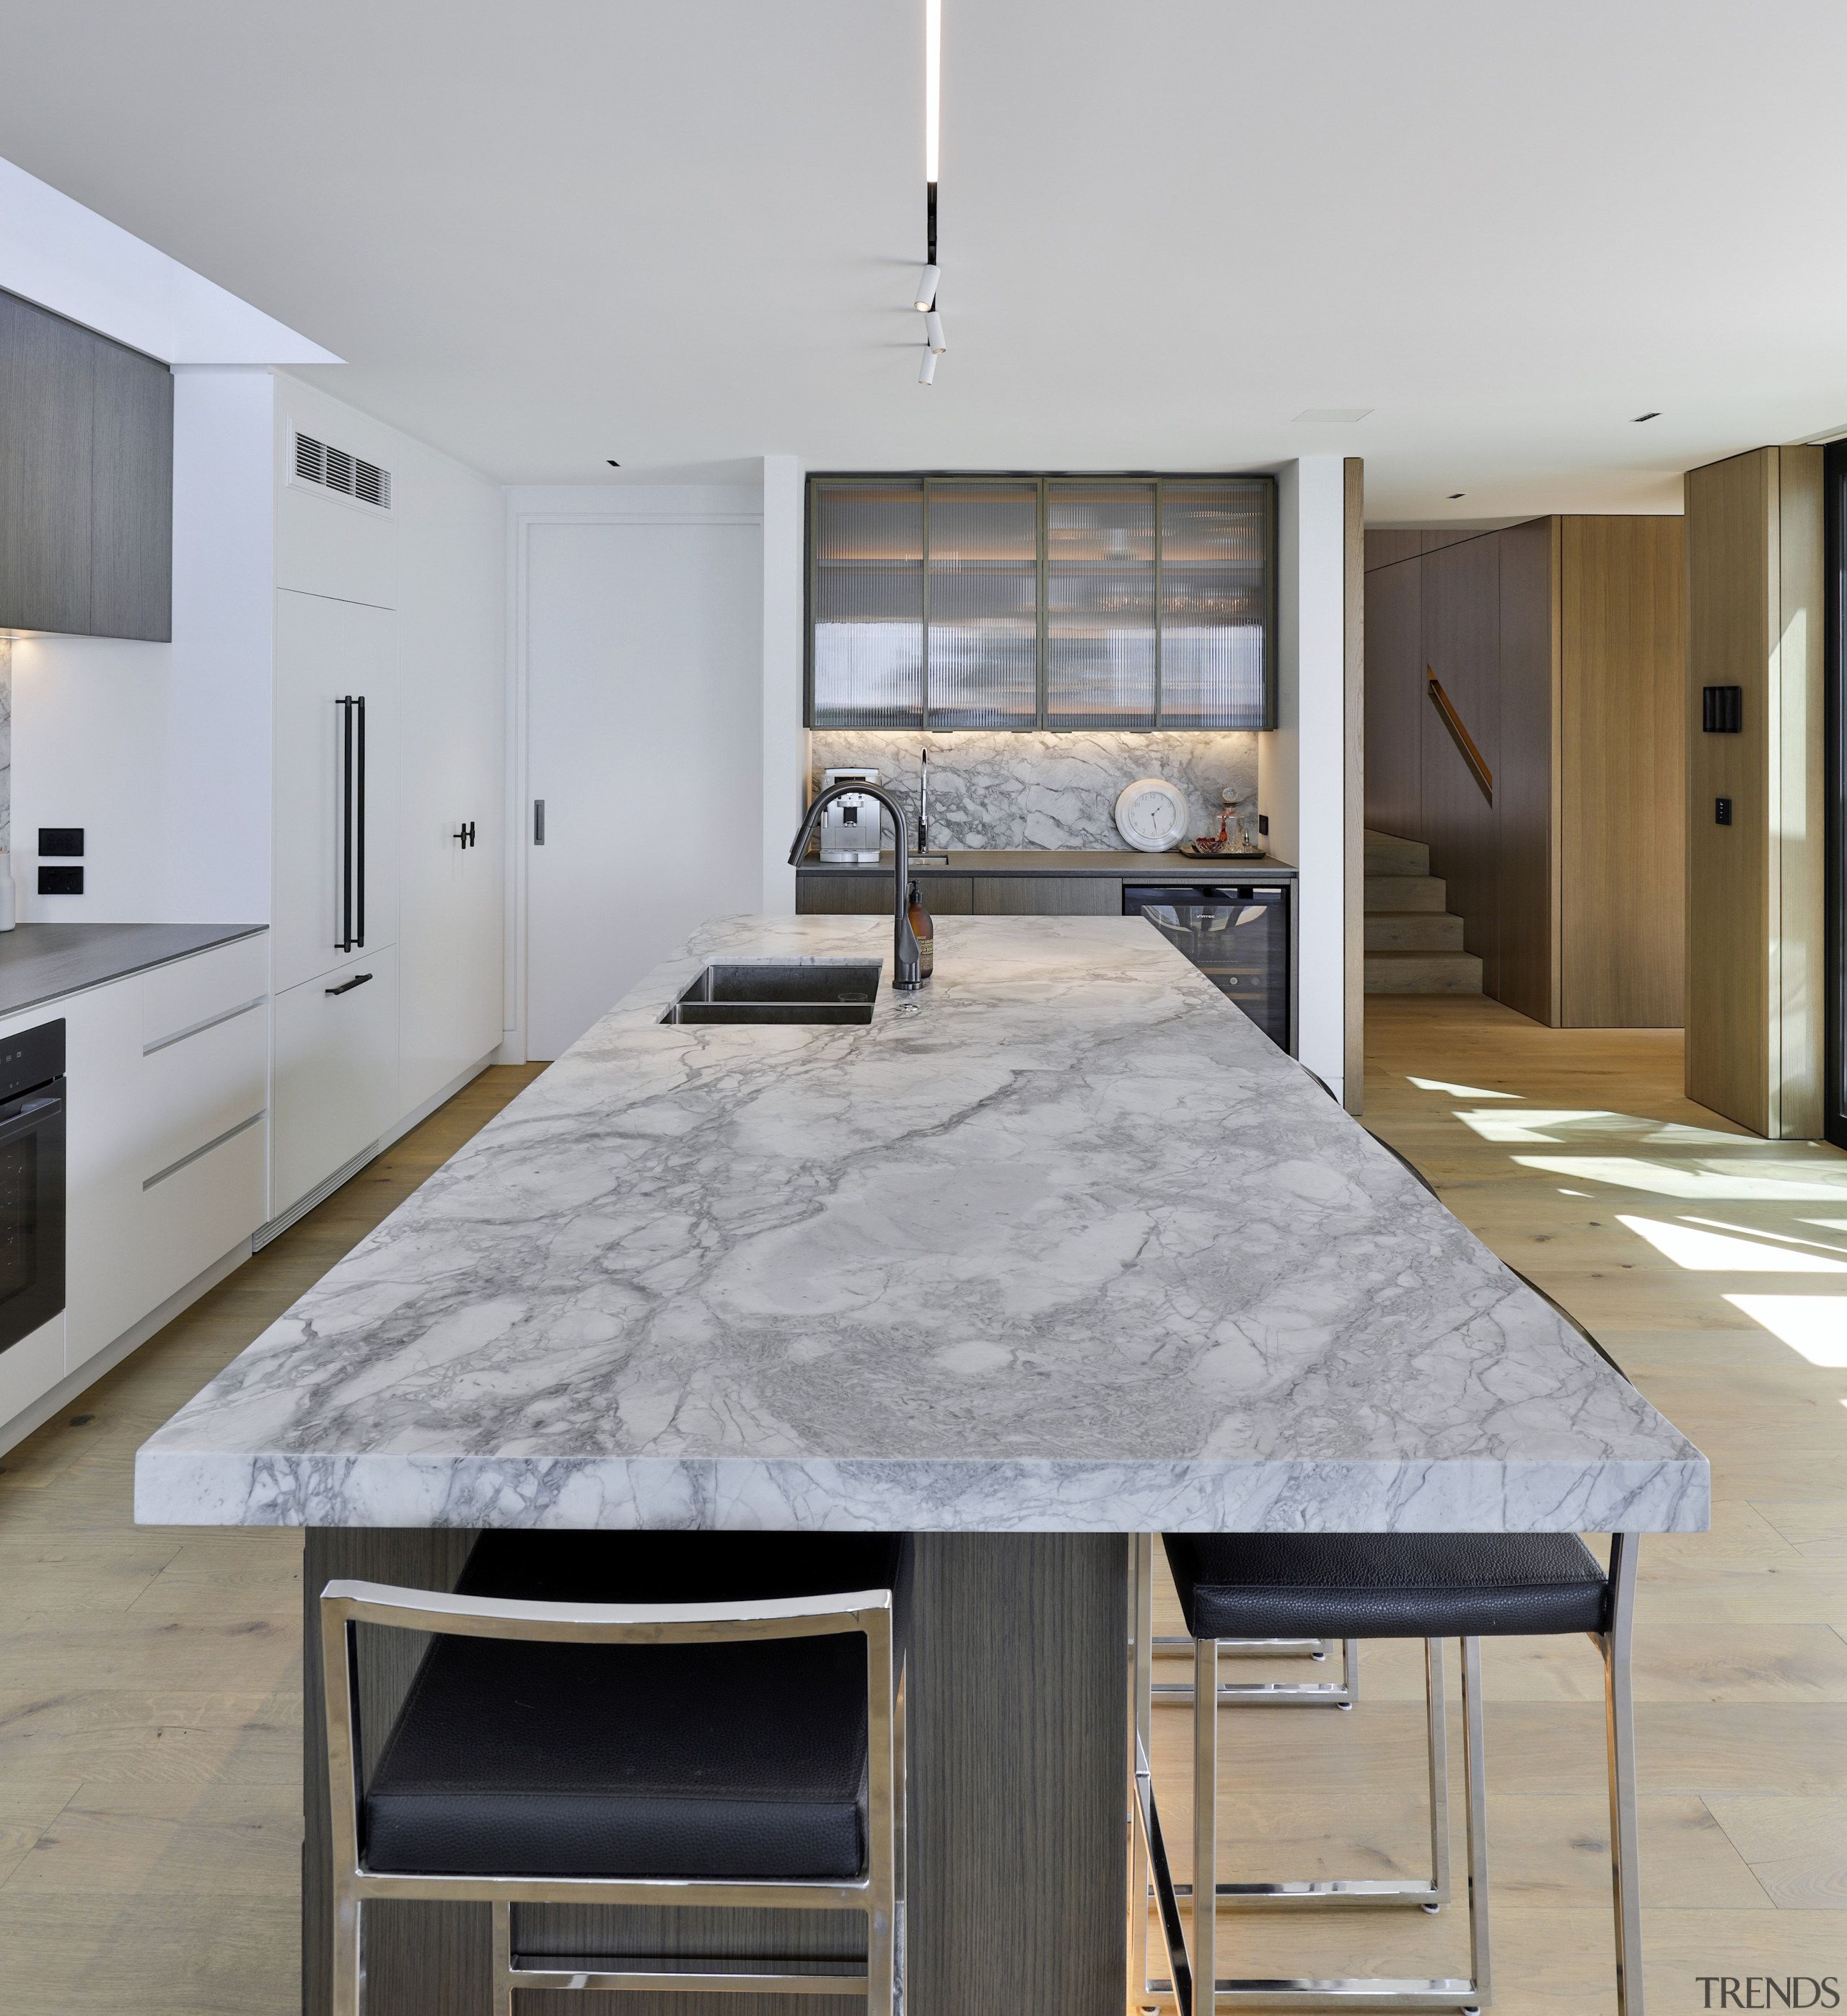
[
  {"x": 1215, "y": 604},
  {"x": 983, "y": 624},
  {"x": 867, "y": 604},
  {"x": 1099, "y": 605}
]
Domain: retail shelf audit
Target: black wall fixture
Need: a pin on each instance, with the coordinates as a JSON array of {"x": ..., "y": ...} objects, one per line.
[
  {"x": 1722, "y": 710},
  {"x": 60, "y": 881},
  {"x": 65, "y": 841}
]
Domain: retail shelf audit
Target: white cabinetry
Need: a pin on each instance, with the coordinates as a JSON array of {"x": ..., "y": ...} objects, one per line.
[
  {"x": 336, "y": 1072},
  {"x": 336, "y": 873},
  {"x": 166, "y": 1136}
]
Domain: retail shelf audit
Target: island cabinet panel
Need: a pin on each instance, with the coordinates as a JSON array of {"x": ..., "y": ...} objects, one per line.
[
  {"x": 1017, "y": 1729},
  {"x": 1047, "y": 896}
]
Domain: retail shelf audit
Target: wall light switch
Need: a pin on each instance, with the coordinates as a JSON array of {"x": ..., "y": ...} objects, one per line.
[
  {"x": 65, "y": 841},
  {"x": 1721, "y": 811}
]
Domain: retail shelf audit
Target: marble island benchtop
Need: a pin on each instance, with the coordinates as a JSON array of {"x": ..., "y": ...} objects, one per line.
[{"x": 1063, "y": 1244}]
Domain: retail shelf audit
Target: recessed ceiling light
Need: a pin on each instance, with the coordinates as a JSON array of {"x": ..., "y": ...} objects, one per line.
[
  {"x": 1456, "y": 495},
  {"x": 1334, "y": 413},
  {"x": 1641, "y": 417}
]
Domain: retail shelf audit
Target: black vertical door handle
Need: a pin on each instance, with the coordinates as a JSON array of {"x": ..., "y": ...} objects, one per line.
[
  {"x": 538, "y": 821},
  {"x": 344, "y": 864},
  {"x": 360, "y": 844}
]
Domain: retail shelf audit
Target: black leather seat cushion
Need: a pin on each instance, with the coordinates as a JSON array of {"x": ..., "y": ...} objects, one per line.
[
  {"x": 1387, "y": 1585},
  {"x": 733, "y": 1760}
]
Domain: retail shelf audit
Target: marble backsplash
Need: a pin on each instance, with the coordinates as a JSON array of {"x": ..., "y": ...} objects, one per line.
[
  {"x": 986, "y": 790},
  {"x": 1000, "y": 791}
]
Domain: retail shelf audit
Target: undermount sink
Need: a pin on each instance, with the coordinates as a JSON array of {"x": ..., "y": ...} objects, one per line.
[{"x": 779, "y": 991}]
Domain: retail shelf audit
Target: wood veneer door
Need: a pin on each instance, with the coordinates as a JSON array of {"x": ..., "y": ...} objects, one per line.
[
  {"x": 1395, "y": 699},
  {"x": 48, "y": 378},
  {"x": 1460, "y": 631},
  {"x": 1623, "y": 825},
  {"x": 1049, "y": 895}
]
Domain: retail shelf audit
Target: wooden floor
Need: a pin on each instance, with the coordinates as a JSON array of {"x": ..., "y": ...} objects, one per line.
[
  {"x": 1546, "y": 1142},
  {"x": 149, "y": 1693},
  {"x": 150, "y": 1678}
]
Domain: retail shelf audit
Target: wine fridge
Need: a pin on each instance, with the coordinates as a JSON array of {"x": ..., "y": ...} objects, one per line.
[
  {"x": 31, "y": 1180},
  {"x": 1238, "y": 936}
]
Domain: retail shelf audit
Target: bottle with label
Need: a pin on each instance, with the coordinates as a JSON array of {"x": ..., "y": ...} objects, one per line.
[{"x": 924, "y": 930}]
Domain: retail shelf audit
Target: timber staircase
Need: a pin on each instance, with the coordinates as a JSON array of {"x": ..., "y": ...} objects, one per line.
[{"x": 1413, "y": 946}]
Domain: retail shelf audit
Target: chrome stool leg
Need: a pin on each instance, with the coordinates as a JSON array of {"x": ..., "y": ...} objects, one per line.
[
  {"x": 1191, "y": 1965},
  {"x": 1619, "y": 1720},
  {"x": 503, "y": 1959}
]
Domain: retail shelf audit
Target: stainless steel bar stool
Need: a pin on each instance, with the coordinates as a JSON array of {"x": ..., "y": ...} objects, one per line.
[
  {"x": 1340, "y": 1892},
  {"x": 1395, "y": 1585},
  {"x": 743, "y": 1750}
]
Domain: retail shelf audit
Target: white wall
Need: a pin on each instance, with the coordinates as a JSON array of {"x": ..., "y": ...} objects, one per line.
[
  {"x": 1300, "y": 764},
  {"x": 161, "y": 752},
  {"x": 785, "y": 740}
]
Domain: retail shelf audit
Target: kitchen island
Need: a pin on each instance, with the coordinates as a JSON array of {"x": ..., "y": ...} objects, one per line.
[{"x": 1060, "y": 1249}]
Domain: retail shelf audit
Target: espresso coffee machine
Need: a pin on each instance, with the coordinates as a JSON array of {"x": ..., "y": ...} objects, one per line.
[{"x": 850, "y": 825}]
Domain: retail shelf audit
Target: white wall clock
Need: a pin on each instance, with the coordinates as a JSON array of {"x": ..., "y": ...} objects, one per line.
[{"x": 1151, "y": 815}]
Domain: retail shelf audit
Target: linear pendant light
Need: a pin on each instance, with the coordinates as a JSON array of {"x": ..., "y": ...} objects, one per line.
[{"x": 934, "y": 340}]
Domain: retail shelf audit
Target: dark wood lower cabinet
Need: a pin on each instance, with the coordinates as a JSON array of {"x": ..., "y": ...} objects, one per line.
[
  {"x": 1017, "y": 1694},
  {"x": 850, "y": 891}
]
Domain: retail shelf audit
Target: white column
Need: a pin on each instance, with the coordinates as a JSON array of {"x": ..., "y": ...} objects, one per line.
[
  {"x": 785, "y": 740},
  {"x": 1301, "y": 773}
]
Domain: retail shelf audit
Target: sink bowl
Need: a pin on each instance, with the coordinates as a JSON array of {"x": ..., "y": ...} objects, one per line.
[{"x": 780, "y": 991}]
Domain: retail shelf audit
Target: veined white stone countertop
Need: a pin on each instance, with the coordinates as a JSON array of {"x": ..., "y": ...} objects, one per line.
[{"x": 1071, "y": 1247}]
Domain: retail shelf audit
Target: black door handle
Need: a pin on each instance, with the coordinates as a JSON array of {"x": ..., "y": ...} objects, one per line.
[
  {"x": 465, "y": 834},
  {"x": 347, "y": 986}
]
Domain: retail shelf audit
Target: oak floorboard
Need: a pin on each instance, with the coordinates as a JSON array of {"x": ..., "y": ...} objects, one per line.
[{"x": 150, "y": 1678}]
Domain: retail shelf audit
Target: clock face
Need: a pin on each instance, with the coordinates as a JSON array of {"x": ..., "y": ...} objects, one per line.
[{"x": 1151, "y": 814}]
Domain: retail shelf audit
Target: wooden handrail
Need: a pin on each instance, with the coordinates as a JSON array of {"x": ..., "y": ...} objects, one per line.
[{"x": 1464, "y": 740}]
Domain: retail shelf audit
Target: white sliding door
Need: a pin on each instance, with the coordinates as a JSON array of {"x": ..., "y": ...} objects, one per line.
[{"x": 644, "y": 741}]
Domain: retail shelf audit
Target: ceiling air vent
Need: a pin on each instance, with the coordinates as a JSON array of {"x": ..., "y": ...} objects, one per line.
[{"x": 349, "y": 474}]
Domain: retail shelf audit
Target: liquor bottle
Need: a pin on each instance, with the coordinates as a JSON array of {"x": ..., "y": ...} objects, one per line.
[{"x": 924, "y": 930}]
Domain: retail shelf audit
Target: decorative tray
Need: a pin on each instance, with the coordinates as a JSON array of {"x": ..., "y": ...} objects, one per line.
[{"x": 1193, "y": 851}]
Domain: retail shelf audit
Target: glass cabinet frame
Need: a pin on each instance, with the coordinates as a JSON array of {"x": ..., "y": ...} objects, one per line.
[{"x": 1046, "y": 715}]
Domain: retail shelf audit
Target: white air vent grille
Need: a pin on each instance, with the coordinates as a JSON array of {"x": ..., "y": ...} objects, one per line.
[{"x": 316, "y": 462}]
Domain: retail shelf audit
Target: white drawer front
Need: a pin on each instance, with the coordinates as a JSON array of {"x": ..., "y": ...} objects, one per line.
[
  {"x": 334, "y": 1088},
  {"x": 178, "y": 997},
  {"x": 195, "y": 1213},
  {"x": 194, "y": 1089}
]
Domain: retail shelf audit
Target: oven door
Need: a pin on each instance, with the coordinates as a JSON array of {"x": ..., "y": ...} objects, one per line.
[{"x": 32, "y": 1211}]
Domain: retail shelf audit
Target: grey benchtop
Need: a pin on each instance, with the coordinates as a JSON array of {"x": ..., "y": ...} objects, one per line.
[
  {"x": 1063, "y": 1244},
  {"x": 1131, "y": 866},
  {"x": 39, "y": 963}
]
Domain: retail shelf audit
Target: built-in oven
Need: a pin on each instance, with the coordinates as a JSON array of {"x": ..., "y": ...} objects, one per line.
[
  {"x": 1237, "y": 936},
  {"x": 31, "y": 1180}
]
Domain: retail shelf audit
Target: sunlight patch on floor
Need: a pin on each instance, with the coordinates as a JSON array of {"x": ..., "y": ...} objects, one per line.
[
  {"x": 1716, "y": 1253},
  {"x": 1460, "y": 1091},
  {"x": 1715, "y": 1182},
  {"x": 1814, "y": 1325}
]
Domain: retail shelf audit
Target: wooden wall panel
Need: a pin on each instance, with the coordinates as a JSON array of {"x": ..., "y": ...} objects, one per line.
[
  {"x": 1395, "y": 699},
  {"x": 1387, "y": 548},
  {"x": 1461, "y": 644},
  {"x": 1353, "y": 791},
  {"x": 1798, "y": 940},
  {"x": 1524, "y": 779},
  {"x": 1623, "y": 827},
  {"x": 1732, "y": 562}
]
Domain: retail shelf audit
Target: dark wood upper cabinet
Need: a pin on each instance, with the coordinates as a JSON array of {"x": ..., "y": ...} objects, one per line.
[{"x": 86, "y": 480}]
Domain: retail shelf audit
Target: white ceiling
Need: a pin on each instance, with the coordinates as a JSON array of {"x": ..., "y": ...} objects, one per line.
[{"x": 686, "y": 234}]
